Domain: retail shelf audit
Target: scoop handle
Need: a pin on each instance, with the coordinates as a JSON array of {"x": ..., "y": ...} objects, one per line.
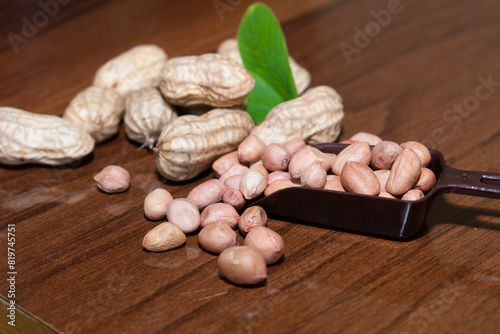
[{"x": 474, "y": 183}]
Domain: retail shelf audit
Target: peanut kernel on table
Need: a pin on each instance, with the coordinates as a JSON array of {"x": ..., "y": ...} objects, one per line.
[{"x": 113, "y": 179}]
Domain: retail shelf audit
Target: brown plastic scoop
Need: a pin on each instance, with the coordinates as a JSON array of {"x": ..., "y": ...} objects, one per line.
[{"x": 377, "y": 215}]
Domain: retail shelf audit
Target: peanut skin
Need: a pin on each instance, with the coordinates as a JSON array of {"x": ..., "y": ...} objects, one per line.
[
  {"x": 155, "y": 204},
  {"x": 278, "y": 185},
  {"x": 207, "y": 193},
  {"x": 222, "y": 164},
  {"x": 250, "y": 150},
  {"x": 405, "y": 173},
  {"x": 242, "y": 265},
  {"x": 235, "y": 198},
  {"x": 113, "y": 179},
  {"x": 184, "y": 213},
  {"x": 216, "y": 237},
  {"x": 252, "y": 217},
  {"x": 267, "y": 242},
  {"x": 275, "y": 157},
  {"x": 359, "y": 152},
  {"x": 163, "y": 237},
  {"x": 219, "y": 212},
  {"x": 359, "y": 178}
]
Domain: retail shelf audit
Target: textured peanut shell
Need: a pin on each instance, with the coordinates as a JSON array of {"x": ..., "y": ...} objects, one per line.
[
  {"x": 189, "y": 144},
  {"x": 134, "y": 69},
  {"x": 314, "y": 117},
  {"x": 207, "y": 79},
  {"x": 26, "y": 137},
  {"x": 97, "y": 111},
  {"x": 301, "y": 76},
  {"x": 146, "y": 113}
]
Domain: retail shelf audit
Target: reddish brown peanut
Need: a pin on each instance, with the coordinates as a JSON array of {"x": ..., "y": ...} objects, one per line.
[
  {"x": 278, "y": 185},
  {"x": 358, "y": 152},
  {"x": 252, "y": 217},
  {"x": 278, "y": 175},
  {"x": 314, "y": 176},
  {"x": 386, "y": 195},
  {"x": 233, "y": 170},
  {"x": 207, "y": 193},
  {"x": 184, "y": 213},
  {"x": 404, "y": 173},
  {"x": 253, "y": 184},
  {"x": 216, "y": 237},
  {"x": 250, "y": 150},
  {"x": 233, "y": 181},
  {"x": 221, "y": 165},
  {"x": 422, "y": 152},
  {"x": 267, "y": 242},
  {"x": 366, "y": 138},
  {"x": 163, "y": 237},
  {"x": 294, "y": 145},
  {"x": 242, "y": 265},
  {"x": 382, "y": 175},
  {"x": 359, "y": 178},
  {"x": 384, "y": 154},
  {"x": 219, "y": 212},
  {"x": 427, "y": 180},
  {"x": 156, "y": 203},
  {"x": 305, "y": 157},
  {"x": 275, "y": 157},
  {"x": 413, "y": 195},
  {"x": 113, "y": 179},
  {"x": 235, "y": 198},
  {"x": 333, "y": 183}
]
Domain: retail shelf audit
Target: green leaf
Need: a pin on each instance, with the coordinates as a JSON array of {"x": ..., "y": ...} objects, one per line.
[{"x": 263, "y": 49}]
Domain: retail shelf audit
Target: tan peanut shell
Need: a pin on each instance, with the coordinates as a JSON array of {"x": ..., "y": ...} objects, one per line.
[
  {"x": 301, "y": 76},
  {"x": 26, "y": 137},
  {"x": 314, "y": 117},
  {"x": 207, "y": 79},
  {"x": 189, "y": 144},
  {"x": 97, "y": 111},
  {"x": 134, "y": 69},
  {"x": 146, "y": 113}
]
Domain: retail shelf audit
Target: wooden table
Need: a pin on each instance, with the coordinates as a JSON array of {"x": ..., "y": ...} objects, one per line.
[{"x": 419, "y": 74}]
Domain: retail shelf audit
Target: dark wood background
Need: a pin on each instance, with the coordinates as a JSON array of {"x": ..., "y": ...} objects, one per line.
[{"x": 80, "y": 264}]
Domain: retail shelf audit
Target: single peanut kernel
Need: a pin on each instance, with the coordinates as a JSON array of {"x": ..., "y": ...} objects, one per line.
[
  {"x": 275, "y": 157},
  {"x": 427, "y": 180},
  {"x": 216, "y": 237},
  {"x": 253, "y": 184},
  {"x": 184, "y": 213},
  {"x": 156, "y": 203},
  {"x": 278, "y": 185},
  {"x": 252, "y": 217},
  {"x": 163, "y": 237},
  {"x": 221, "y": 165},
  {"x": 267, "y": 242},
  {"x": 358, "y": 178},
  {"x": 113, "y": 179},
  {"x": 219, "y": 212},
  {"x": 278, "y": 175},
  {"x": 413, "y": 195},
  {"x": 235, "y": 198},
  {"x": 384, "y": 154},
  {"x": 294, "y": 145},
  {"x": 233, "y": 181},
  {"x": 333, "y": 183},
  {"x": 207, "y": 193},
  {"x": 250, "y": 149},
  {"x": 233, "y": 170},
  {"x": 358, "y": 152},
  {"x": 242, "y": 265},
  {"x": 314, "y": 176},
  {"x": 367, "y": 138},
  {"x": 421, "y": 150}
]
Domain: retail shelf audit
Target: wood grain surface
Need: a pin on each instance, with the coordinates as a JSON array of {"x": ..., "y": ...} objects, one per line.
[{"x": 79, "y": 261}]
